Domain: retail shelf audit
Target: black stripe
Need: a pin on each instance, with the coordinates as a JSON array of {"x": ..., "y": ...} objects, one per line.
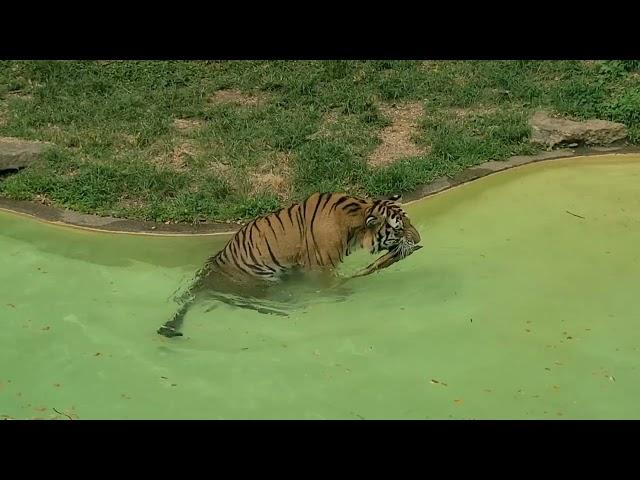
[
  {"x": 273, "y": 257},
  {"x": 250, "y": 230},
  {"x": 278, "y": 217},
  {"x": 313, "y": 219},
  {"x": 338, "y": 203},
  {"x": 300, "y": 219},
  {"x": 235, "y": 262},
  {"x": 256, "y": 246},
  {"x": 271, "y": 227},
  {"x": 353, "y": 208},
  {"x": 242, "y": 241},
  {"x": 331, "y": 260},
  {"x": 351, "y": 204},
  {"x": 328, "y": 197},
  {"x": 253, "y": 257},
  {"x": 289, "y": 212},
  {"x": 223, "y": 256},
  {"x": 350, "y": 234},
  {"x": 265, "y": 274}
]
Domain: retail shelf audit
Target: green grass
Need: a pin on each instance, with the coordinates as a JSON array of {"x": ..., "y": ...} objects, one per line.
[{"x": 115, "y": 140}]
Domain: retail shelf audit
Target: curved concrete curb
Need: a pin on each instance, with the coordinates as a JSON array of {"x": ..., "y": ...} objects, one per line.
[{"x": 119, "y": 225}]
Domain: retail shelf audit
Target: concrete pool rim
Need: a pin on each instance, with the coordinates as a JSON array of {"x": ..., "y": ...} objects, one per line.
[{"x": 69, "y": 218}]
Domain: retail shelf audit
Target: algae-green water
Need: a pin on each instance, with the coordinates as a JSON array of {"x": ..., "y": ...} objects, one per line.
[{"x": 523, "y": 304}]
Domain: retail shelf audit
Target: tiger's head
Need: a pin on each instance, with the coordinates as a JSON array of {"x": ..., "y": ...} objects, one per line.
[{"x": 388, "y": 228}]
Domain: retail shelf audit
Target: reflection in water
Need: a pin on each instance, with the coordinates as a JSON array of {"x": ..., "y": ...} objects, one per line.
[{"x": 293, "y": 292}]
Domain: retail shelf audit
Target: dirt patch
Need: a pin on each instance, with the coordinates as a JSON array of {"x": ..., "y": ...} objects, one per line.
[
  {"x": 396, "y": 140},
  {"x": 328, "y": 121},
  {"x": 19, "y": 95},
  {"x": 221, "y": 169},
  {"x": 187, "y": 125},
  {"x": 237, "y": 97},
  {"x": 128, "y": 139},
  {"x": 176, "y": 158},
  {"x": 430, "y": 66},
  {"x": 127, "y": 203},
  {"x": 43, "y": 199},
  {"x": 476, "y": 111},
  {"x": 273, "y": 176}
]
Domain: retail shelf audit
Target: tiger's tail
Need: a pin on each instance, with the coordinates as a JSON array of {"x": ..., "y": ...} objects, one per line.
[{"x": 171, "y": 328}]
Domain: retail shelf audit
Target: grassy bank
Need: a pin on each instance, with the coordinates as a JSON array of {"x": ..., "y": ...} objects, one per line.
[{"x": 195, "y": 141}]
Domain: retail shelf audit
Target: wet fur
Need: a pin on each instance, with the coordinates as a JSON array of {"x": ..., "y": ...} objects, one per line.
[{"x": 315, "y": 234}]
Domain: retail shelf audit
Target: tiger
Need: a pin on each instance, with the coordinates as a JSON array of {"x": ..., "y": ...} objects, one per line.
[{"x": 314, "y": 234}]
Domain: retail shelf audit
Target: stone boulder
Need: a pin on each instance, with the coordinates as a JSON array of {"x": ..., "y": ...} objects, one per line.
[
  {"x": 17, "y": 153},
  {"x": 553, "y": 132}
]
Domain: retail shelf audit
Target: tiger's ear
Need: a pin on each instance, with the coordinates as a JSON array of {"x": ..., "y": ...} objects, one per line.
[
  {"x": 396, "y": 198},
  {"x": 372, "y": 221}
]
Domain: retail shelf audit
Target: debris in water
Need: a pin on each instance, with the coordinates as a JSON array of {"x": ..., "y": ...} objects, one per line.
[
  {"x": 575, "y": 215},
  {"x": 165, "y": 378},
  {"x": 46, "y": 328},
  {"x": 437, "y": 382},
  {"x": 62, "y": 413},
  {"x": 97, "y": 354},
  {"x": 612, "y": 378},
  {"x": 11, "y": 305},
  {"x": 458, "y": 402}
]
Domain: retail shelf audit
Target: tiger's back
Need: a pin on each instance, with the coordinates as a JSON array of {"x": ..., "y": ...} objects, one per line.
[{"x": 316, "y": 233}]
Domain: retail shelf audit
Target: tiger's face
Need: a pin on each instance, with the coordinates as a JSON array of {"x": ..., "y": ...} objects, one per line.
[{"x": 389, "y": 228}]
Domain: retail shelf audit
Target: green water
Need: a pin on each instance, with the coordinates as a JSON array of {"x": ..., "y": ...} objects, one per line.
[{"x": 514, "y": 308}]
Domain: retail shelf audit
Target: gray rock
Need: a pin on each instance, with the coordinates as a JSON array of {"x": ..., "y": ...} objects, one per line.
[
  {"x": 17, "y": 153},
  {"x": 551, "y": 132}
]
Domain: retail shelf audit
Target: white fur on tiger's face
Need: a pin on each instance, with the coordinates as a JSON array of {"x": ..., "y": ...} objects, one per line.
[{"x": 390, "y": 228}]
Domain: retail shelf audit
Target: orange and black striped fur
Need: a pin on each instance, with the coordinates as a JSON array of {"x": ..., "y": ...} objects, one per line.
[{"x": 315, "y": 234}]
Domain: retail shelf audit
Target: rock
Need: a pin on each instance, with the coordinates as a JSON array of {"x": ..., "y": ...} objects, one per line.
[
  {"x": 16, "y": 153},
  {"x": 550, "y": 131}
]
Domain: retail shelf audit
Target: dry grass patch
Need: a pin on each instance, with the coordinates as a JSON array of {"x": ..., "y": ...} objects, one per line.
[{"x": 396, "y": 140}]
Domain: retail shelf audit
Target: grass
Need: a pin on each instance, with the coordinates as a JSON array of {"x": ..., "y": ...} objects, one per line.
[{"x": 119, "y": 151}]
